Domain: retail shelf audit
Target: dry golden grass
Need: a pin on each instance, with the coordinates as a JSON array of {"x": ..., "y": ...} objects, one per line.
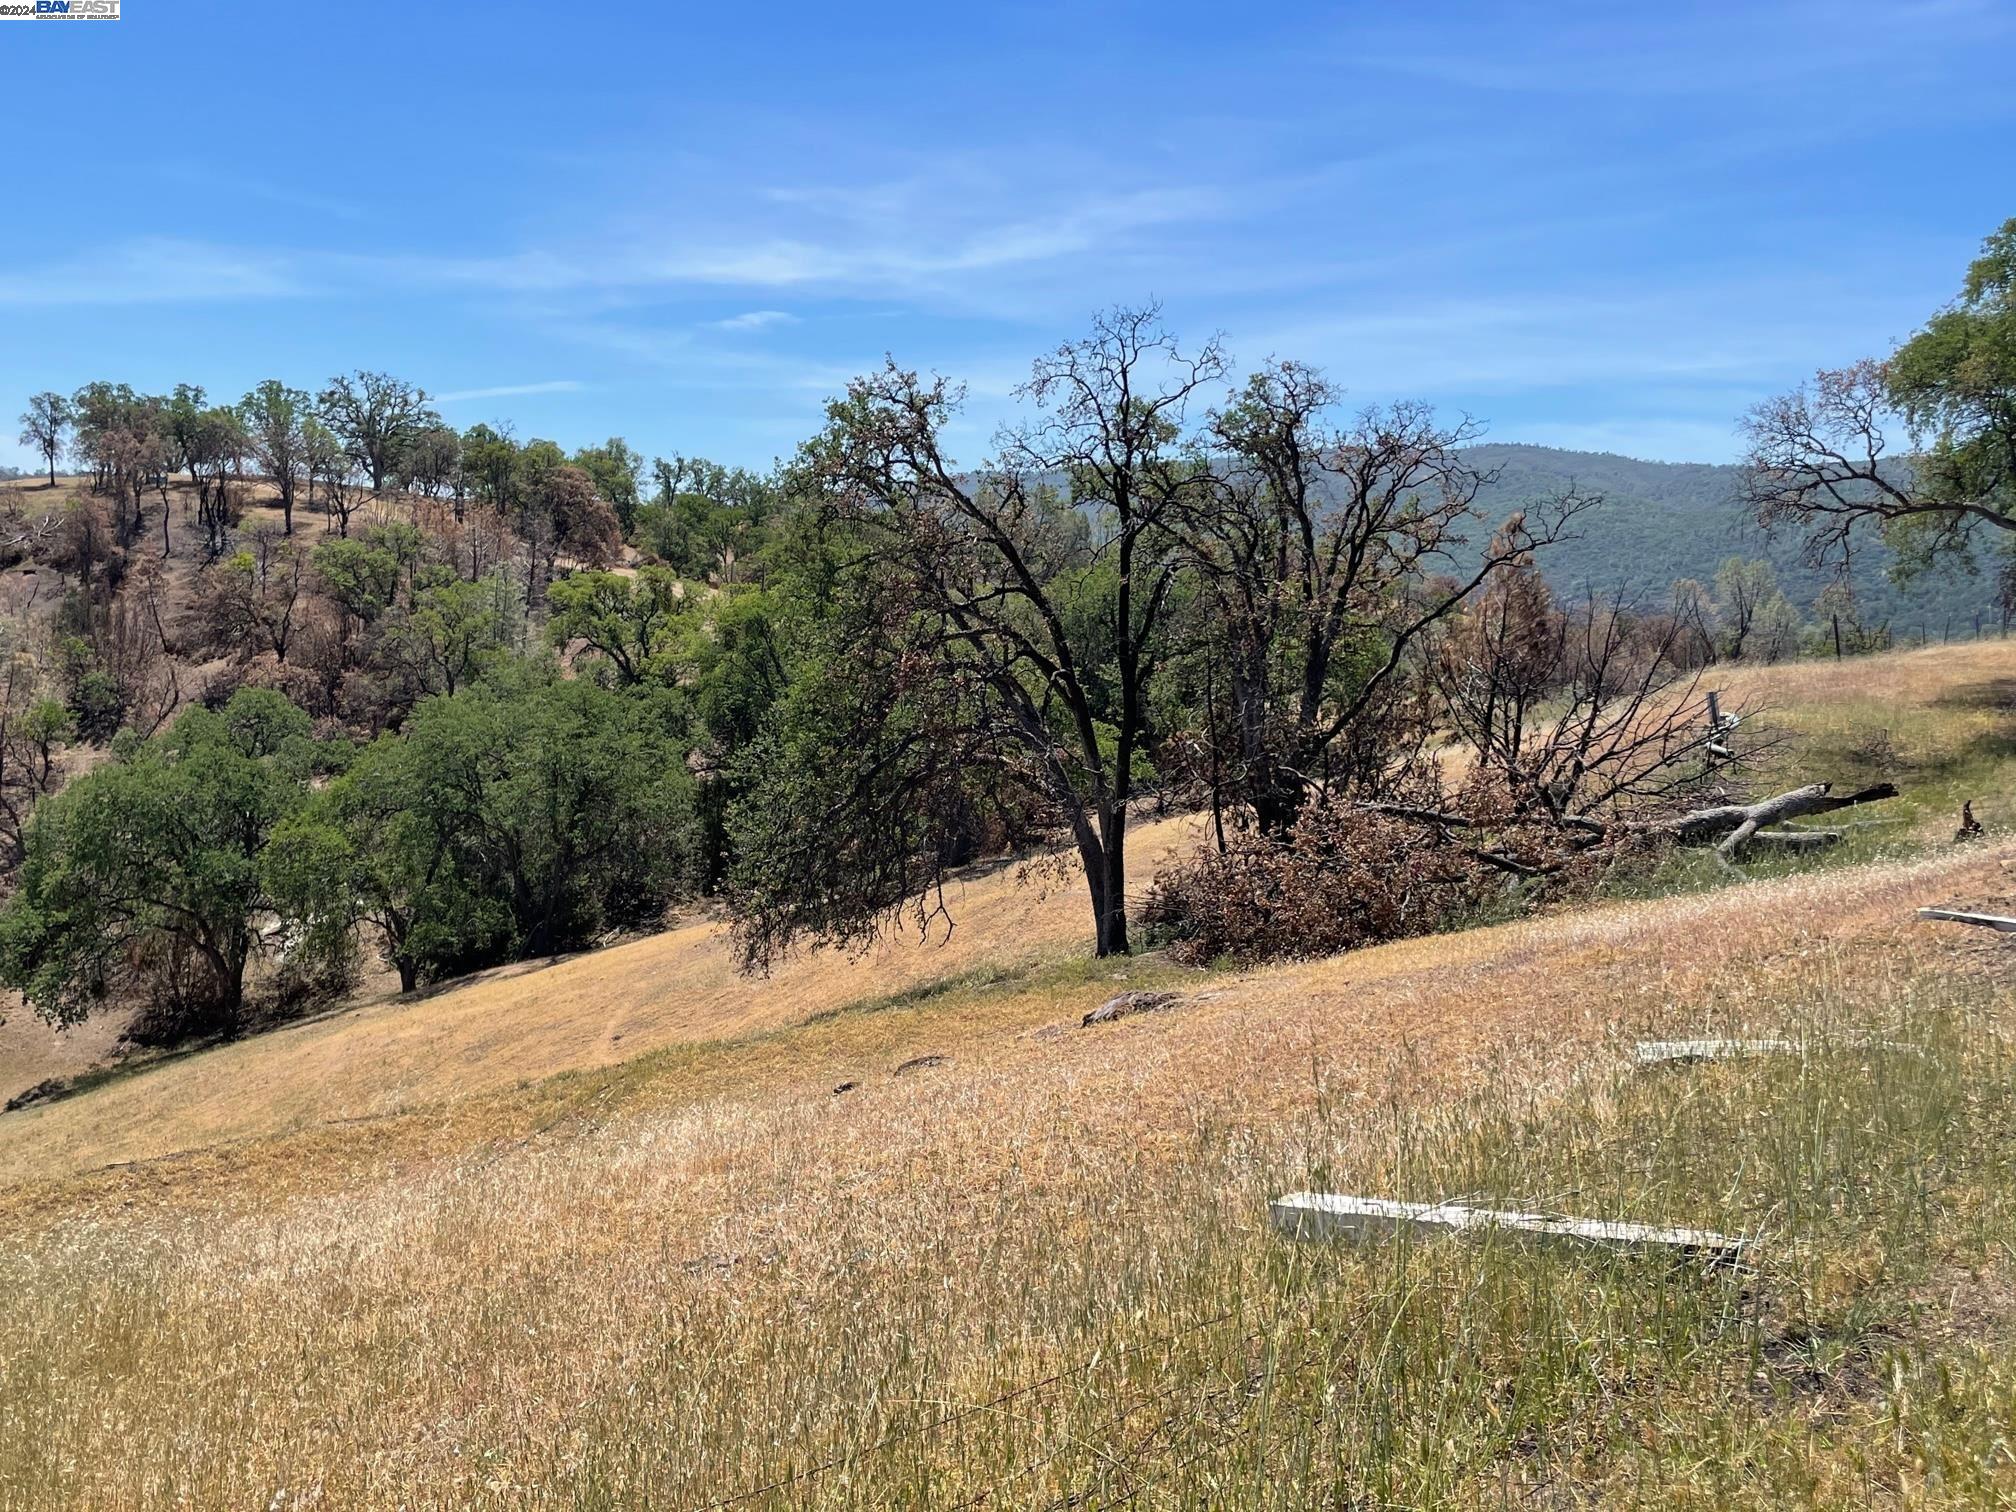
[
  {"x": 676, "y": 1266},
  {"x": 524, "y": 1025},
  {"x": 644, "y": 1295},
  {"x": 527, "y": 1023},
  {"x": 1899, "y": 679},
  {"x": 32, "y": 1052}
]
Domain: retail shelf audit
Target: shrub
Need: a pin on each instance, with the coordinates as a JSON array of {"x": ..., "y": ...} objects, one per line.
[{"x": 1338, "y": 879}]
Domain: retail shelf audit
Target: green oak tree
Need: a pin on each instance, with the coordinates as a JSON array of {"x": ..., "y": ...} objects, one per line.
[
  {"x": 44, "y": 424},
  {"x": 523, "y": 817},
  {"x": 626, "y": 627},
  {"x": 1822, "y": 459},
  {"x": 617, "y": 470},
  {"x": 156, "y": 856},
  {"x": 376, "y": 417},
  {"x": 275, "y": 418}
]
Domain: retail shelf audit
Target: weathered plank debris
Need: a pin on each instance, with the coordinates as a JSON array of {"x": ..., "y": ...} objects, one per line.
[
  {"x": 1996, "y": 922},
  {"x": 1686, "y": 1051},
  {"x": 1323, "y": 1215}
]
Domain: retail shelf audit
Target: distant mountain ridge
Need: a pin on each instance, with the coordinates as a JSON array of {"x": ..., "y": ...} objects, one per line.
[{"x": 1661, "y": 521}]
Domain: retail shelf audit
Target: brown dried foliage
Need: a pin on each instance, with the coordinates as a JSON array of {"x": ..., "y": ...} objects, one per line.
[{"x": 1340, "y": 878}]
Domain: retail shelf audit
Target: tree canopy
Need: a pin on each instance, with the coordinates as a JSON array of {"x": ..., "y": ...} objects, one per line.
[
  {"x": 512, "y": 699},
  {"x": 158, "y": 853},
  {"x": 1821, "y": 458},
  {"x": 508, "y": 820}
]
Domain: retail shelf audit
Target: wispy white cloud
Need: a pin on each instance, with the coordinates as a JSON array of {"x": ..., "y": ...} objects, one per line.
[
  {"x": 846, "y": 251},
  {"x": 205, "y": 177},
  {"x": 511, "y": 390},
  {"x": 755, "y": 320},
  {"x": 832, "y": 242},
  {"x": 155, "y": 269},
  {"x": 1734, "y": 330},
  {"x": 684, "y": 359}
]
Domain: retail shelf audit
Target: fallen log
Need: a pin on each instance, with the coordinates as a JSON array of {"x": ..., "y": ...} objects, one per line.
[
  {"x": 1741, "y": 825},
  {"x": 1129, "y": 1003},
  {"x": 1730, "y": 827}
]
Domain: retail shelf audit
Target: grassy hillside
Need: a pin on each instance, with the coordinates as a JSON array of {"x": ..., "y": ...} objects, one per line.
[
  {"x": 1668, "y": 520},
  {"x": 514, "y": 1026},
  {"x": 1938, "y": 721},
  {"x": 476, "y": 1249}
]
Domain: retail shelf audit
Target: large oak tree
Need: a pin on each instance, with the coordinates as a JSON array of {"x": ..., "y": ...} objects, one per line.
[
  {"x": 1021, "y": 614},
  {"x": 377, "y": 417}
]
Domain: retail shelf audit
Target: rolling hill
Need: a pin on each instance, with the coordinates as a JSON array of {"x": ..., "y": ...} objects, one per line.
[
  {"x": 627, "y": 1230},
  {"x": 1942, "y": 713},
  {"x": 1668, "y": 520}
]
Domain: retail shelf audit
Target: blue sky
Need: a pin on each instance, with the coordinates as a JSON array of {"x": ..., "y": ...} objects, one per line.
[{"x": 1608, "y": 226}]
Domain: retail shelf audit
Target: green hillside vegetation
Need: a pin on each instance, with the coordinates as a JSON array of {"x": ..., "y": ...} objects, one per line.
[
  {"x": 1667, "y": 521},
  {"x": 314, "y": 679}
]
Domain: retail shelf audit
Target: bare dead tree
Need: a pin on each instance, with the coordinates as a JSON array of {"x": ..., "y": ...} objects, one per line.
[
  {"x": 1821, "y": 459},
  {"x": 83, "y": 544},
  {"x": 1584, "y": 736},
  {"x": 252, "y": 604},
  {"x": 1330, "y": 551},
  {"x": 1696, "y": 622}
]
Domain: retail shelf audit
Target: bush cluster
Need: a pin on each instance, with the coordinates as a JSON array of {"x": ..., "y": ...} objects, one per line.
[{"x": 1339, "y": 878}]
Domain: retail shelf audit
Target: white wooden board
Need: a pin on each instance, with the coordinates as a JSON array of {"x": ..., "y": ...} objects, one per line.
[
  {"x": 1996, "y": 922},
  {"x": 1664, "y": 1052},
  {"x": 1324, "y": 1215}
]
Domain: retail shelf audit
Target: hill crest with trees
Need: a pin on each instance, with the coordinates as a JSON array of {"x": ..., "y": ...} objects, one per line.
[{"x": 506, "y": 700}]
